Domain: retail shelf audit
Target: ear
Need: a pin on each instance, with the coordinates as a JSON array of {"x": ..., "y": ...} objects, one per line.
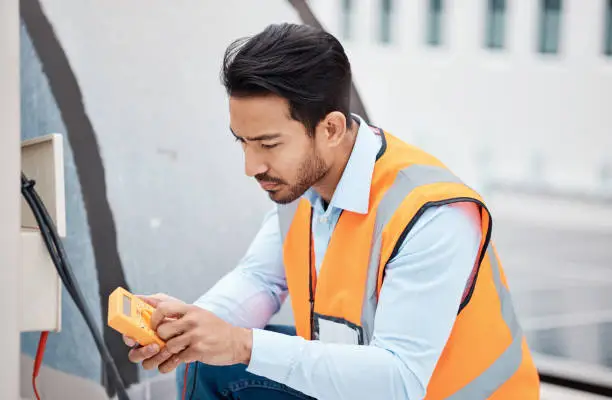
[{"x": 333, "y": 128}]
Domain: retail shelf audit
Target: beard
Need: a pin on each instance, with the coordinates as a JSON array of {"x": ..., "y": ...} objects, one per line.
[{"x": 311, "y": 170}]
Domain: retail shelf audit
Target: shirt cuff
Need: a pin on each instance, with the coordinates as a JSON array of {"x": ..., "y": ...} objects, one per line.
[{"x": 273, "y": 354}]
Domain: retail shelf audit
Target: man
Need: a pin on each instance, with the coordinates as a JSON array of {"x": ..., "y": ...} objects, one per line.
[{"x": 396, "y": 290}]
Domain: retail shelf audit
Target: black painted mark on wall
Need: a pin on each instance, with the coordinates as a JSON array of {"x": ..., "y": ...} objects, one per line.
[
  {"x": 308, "y": 17},
  {"x": 90, "y": 171}
]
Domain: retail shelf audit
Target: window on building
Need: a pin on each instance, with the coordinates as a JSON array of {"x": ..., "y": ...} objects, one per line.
[
  {"x": 496, "y": 24},
  {"x": 386, "y": 9},
  {"x": 434, "y": 22},
  {"x": 550, "y": 25},
  {"x": 608, "y": 30},
  {"x": 347, "y": 19}
]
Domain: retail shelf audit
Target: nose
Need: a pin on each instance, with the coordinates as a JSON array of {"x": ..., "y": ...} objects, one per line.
[{"x": 253, "y": 164}]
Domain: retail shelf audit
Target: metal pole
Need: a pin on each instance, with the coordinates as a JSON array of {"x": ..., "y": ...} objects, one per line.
[{"x": 10, "y": 203}]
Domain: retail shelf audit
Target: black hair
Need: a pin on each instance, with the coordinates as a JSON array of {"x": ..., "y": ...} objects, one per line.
[{"x": 303, "y": 64}]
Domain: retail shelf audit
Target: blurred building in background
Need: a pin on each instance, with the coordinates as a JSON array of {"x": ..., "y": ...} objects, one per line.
[{"x": 508, "y": 92}]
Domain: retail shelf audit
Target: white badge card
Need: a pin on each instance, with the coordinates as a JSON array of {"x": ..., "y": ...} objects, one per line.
[{"x": 335, "y": 330}]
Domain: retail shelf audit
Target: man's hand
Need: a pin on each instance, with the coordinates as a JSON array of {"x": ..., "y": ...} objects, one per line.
[
  {"x": 194, "y": 334},
  {"x": 150, "y": 355}
]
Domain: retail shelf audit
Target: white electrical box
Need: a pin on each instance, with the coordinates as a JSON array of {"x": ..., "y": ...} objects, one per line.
[{"x": 42, "y": 160}]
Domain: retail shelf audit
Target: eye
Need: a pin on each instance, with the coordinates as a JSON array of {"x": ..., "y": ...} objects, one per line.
[{"x": 269, "y": 146}]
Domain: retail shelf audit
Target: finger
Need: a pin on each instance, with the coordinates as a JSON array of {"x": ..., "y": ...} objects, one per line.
[
  {"x": 149, "y": 300},
  {"x": 167, "y": 309},
  {"x": 171, "y": 328},
  {"x": 156, "y": 360},
  {"x": 140, "y": 354},
  {"x": 170, "y": 365},
  {"x": 154, "y": 299},
  {"x": 129, "y": 341},
  {"x": 179, "y": 343}
]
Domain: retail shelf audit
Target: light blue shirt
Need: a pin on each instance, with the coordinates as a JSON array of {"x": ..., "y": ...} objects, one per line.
[{"x": 417, "y": 307}]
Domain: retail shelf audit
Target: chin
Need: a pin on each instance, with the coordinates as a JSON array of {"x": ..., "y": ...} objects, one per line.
[{"x": 282, "y": 198}]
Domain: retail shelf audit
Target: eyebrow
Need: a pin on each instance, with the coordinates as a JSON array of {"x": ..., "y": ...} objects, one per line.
[{"x": 268, "y": 136}]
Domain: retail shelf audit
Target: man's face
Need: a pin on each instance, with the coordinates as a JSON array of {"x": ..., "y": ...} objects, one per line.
[{"x": 278, "y": 151}]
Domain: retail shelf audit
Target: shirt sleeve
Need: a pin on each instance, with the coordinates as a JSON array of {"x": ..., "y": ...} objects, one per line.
[
  {"x": 249, "y": 295},
  {"x": 417, "y": 308}
]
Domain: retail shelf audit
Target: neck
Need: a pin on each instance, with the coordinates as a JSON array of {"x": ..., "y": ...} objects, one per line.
[{"x": 327, "y": 186}]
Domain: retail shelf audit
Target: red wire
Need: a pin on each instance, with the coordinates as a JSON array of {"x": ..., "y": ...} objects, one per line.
[
  {"x": 185, "y": 381},
  {"x": 42, "y": 342},
  {"x": 41, "y": 351}
]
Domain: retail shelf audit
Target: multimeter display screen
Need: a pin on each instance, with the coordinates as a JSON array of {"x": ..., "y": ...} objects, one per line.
[{"x": 127, "y": 302}]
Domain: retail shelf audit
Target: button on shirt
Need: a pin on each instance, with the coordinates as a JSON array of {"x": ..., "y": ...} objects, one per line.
[{"x": 418, "y": 302}]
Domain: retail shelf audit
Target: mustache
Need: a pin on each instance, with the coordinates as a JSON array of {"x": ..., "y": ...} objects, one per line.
[{"x": 267, "y": 178}]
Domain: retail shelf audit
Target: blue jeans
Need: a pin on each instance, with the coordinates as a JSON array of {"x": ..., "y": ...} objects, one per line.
[{"x": 205, "y": 382}]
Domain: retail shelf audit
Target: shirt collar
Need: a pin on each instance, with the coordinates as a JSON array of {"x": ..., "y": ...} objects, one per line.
[{"x": 353, "y": 190}]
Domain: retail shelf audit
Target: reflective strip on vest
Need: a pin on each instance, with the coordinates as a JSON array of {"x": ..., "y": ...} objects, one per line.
[
  {"x": 405, "y": 182},
  {"x": 510, "y": 360}
]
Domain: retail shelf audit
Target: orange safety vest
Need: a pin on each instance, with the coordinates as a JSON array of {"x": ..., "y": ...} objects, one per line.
[{"x": 486, "y": 355}]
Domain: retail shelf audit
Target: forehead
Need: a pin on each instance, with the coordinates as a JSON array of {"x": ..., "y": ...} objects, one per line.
[{"x": 260, "y": 112}]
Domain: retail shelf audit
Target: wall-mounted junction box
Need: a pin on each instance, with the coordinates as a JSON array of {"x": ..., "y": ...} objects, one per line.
[{"x": 42, "y": 160}]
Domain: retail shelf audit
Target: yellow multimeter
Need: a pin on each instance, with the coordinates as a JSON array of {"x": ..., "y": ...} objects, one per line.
[{"x": 131, "y": 316}]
